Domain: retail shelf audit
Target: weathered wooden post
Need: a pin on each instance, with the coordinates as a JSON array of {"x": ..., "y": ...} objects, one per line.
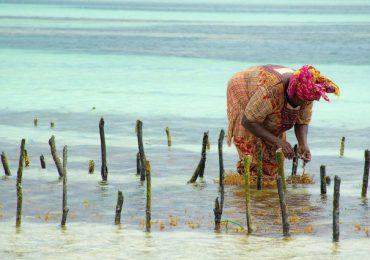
[
  {"x": 259, "y": 165},
  {"x": 218, "y": 213},
  {"x": 104, "y": 167},
  {"x": 247, "y": 164},
  {"x": 222, "y": 169},
  {"x": 283, "y": 207},
  {"x": 65, "y": 209},
  {"x": 208, "y": 142},
  {"x": 169, "y": 140},
  {"x": 55, "y": 156},
  {"x": 117, "y": 219},
  {"x": 4, "y": 160},
  {"x": 219, "y": 205},
  {"x": 148, "y": 196},
  {"x": 42, "y": 161},
  {"x": 365, "y": 179},
  {"x": 19, "y": 185},
  {"x": 295, "y": 161},
  {"x": 342, "y": 146},
  {"x": 91, "y": 167},
  {"x": 336, "y": 208},
  {"x": 138, "y": 165},
  {"x": 139, "y": 130},
  {"x": 26, "y": 159},
  {"x": 199, "y": 171},
  {"x": 280, "y": 162},
  {"x": 204, "y": 153},
  {"x": 220, "y": 157},
  {"x": 323, "y": 179}
]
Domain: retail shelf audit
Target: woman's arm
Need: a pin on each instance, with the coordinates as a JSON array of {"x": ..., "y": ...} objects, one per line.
[
  {"x": 260, "y": 131},
  {"x": 301, "y": 131}
]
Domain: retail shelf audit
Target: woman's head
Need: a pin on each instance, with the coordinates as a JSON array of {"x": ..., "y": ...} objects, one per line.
[{"x": 308, "y": 85}]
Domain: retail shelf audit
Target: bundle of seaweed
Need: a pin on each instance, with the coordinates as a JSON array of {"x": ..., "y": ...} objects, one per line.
[
  {"x": 300, "y": 179},
  {"x": 234, "y": 178}
]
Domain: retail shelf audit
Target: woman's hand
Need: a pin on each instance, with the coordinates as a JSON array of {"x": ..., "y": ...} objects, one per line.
[
  {"x": 305, "y": 153},
  {"x": 301, "y": 134},
  {"x": 287, "y": 148},
  {"x": 259, "y": 130}
]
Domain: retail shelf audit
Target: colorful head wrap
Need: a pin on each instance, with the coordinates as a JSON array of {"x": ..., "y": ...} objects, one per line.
[{"x": 309, "y": 85}]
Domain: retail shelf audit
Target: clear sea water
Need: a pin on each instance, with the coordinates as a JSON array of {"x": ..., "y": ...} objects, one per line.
[{"x": 168, "y": 63}]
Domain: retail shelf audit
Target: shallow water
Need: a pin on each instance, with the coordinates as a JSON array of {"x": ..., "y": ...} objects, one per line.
[{"x": 168, "y": 63}]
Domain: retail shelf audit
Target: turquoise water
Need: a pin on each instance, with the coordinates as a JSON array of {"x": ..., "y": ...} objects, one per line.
[{"x": 168, "y": 63}]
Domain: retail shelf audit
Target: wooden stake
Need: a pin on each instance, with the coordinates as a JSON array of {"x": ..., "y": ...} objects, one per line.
[
  {"x": 117, "y": 219},
  {"x": 218, "y": 213},
  {"x": 220, "y": 157},
  {"x": 336, "y": 208},
  {"x": 104, "y": 168},
  {"x": 205, "y": 145},
  {"x": 295, "y": 161},
  {"x": 169, "y": 142},
  {"x": 219, "y": 205},
  {"x": 138, "y": 165},
  {"x": 139, "y": 128},
  {"x": 221, "y": 167},
  {"x": 148, "y": 196},
  {"x": 42, "y": 161},
  {"x": 19, "y": 185},
  {"x": 91, "y": 167},
  {"x": 342, "y": 146},
  {"x": 323, "y": 179},
  {"x": 247, "y": 164},
  {"x": 283, "y": 207},
  {"x": 4, "y": 160},
  {"x": 65, "y": 209},
  {"x": 280, "y": 162},
  {"x": 55, "y": 156},
  {"x": 35, "y": 121},
  {"x": 208, "y": 143},
  {"x": 365, "y": 179},
  {"x": 26, "y": 159},
  {"x": 259, "y": 165},
  {"x": 199, "y": 171}
]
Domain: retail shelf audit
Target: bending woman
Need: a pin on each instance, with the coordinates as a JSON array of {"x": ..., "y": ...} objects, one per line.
[{"x": 263, "y": 102}]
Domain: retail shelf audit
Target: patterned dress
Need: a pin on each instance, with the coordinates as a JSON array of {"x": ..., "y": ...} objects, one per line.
[{"x": 259, "y": 94}]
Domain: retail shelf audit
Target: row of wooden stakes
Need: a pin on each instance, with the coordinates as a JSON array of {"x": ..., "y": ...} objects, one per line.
[
  {"x": 281, "y": 186},
  {"x": 144, "y": 170}
]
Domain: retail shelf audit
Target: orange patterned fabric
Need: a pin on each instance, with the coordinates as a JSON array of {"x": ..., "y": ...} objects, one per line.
[{"x": 258, "y": 94}]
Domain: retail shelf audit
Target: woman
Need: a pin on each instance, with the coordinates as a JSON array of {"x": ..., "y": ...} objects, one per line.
[{"x": 265, "y": 101}]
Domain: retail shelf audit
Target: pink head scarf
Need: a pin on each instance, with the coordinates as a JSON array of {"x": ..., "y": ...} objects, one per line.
[{"x": 309, "y": 85}]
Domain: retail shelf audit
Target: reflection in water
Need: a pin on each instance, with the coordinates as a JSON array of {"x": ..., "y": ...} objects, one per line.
[
  {"x": 265, "y": 210},
  {"x": 103, "y": 188},
  {"x": 148, "y": 244},
  {"x": 335, "y": 248},
  {"x": 201, "y": 184},
  {"x": 324, "y": 198},
  {"x": 364, "y": 202}
]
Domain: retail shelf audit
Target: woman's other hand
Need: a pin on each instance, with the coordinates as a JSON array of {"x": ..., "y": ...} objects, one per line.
[
  {"x": 305, "y": 153},
  {"x": 287, "y": 149}
]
